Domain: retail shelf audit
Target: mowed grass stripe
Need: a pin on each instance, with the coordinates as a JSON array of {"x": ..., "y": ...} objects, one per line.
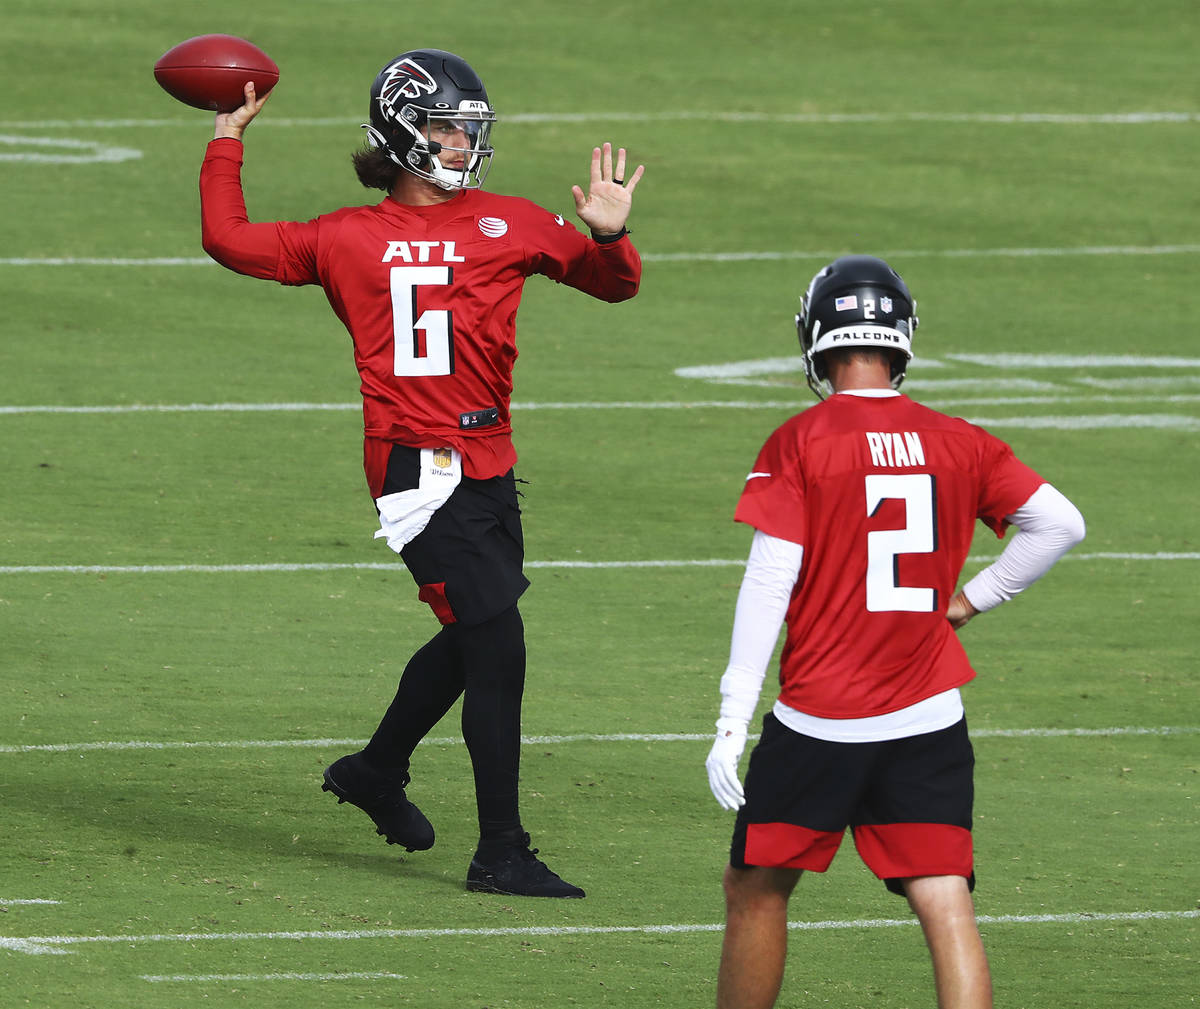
[
  {"x": 584, "y": 737},
  {"x": 43, "y": 944}
]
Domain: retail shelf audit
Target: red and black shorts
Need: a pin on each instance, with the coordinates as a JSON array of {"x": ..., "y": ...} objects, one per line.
[
  {"x": 907, "y": 801},
  {"x": 467, "y": 562}
]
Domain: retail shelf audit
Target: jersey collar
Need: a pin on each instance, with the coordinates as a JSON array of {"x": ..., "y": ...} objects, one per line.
[{"x": 870, "y": 393}]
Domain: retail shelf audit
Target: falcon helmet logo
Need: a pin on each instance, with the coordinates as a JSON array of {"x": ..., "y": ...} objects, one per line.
[{"x": 406, "y": 79}]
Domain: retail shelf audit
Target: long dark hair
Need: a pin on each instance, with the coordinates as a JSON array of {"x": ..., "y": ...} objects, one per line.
[{"x": 375, "y": 169}]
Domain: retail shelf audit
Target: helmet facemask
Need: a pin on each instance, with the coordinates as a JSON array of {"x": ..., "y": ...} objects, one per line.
[{"x": 468, "y": 129}]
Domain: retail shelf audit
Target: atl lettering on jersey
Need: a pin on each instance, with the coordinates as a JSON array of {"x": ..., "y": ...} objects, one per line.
[{"x": 424, "y": 250}]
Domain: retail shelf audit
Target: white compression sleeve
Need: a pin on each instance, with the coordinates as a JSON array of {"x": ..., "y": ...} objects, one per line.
[
  {"x": 771, "y": 573},
  {"x": 1048, "y": 525}
]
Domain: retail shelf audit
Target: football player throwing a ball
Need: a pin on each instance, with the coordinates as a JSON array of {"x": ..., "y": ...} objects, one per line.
[{"x": 427, "y": 282}]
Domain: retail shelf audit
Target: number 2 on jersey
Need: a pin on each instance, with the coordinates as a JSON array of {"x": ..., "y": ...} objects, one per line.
[
  {"x": 425, "y": 345},
  {"x": 919, "y": 536}
]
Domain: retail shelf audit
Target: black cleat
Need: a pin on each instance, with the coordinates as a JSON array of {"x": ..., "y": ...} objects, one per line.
[
  {"x": 355, "y": 781},
  {"x": 516, "y": 871}
]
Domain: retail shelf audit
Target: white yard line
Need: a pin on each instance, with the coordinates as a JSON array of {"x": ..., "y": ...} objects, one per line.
[
  {"x": 1137, "y": 395},
  {"x": 61, "y": 150},
  {"x": 585, "y": 737},
  {"x": 198, "y": 123},
  {"x": 286, "y": 568},
  {"x": 1016, "y": 252},
  {"x": 286, "y": 976},
  {"x": 52, "y": 944},
  {"x": 1070, "y": 422},
  {"x": 732, "y": 256}
]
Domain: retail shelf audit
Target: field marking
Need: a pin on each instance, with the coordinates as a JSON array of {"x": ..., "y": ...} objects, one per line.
[
  {"x": 1094, "y": 422},
  {"x": 699, "y": 257},
  {"x": 1141, "y": 382},
  {"x": 1075, "y": 361},
  {"x": 586, "y": 737},
  {"x": 51, "y": 944},
  {"x": 202, "y": 978},
  {"x": 892, "y": 254},
  {"x": 1076, "y": 422},
  {"x": 107, "y": 261},
  {"x": 25, "y": 901},
  {"x": 83, "y": 152},
  {"x": 284, "y": 568},
  {"x": 799, "y": 118},
  {"x": 184, "y": 408},
  {"x": 794, "y": 364}
]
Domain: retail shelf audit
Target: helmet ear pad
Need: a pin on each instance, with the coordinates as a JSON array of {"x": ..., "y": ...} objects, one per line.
[{"x": 387, "y": 144}]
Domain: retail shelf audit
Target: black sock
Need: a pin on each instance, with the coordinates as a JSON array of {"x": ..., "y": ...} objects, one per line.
[{"x": 493, "y": 659}]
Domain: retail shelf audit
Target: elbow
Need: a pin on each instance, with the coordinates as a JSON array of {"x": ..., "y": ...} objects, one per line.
[
  {"x": 210, "y": 244},
  {"x": 625, "y": 291},
  {"x": 626, "y": 296},
  {"x": 1076, "y": 528},
  {"x": 224, "y": 253}
]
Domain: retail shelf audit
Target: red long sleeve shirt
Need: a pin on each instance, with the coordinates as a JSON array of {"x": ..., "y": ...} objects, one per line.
[{"x": 428, "y": 294}]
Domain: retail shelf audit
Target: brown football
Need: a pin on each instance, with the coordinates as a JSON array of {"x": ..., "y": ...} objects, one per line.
[{"x": 209, "y": 71}]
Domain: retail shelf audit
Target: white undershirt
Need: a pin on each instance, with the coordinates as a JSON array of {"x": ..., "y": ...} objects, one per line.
[{"x": 1048, "y": 525}]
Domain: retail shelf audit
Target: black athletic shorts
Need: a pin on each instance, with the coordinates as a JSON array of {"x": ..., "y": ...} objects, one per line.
[
  {"x": 467, "y": 561},
  {"x": 907, "y": 802}
]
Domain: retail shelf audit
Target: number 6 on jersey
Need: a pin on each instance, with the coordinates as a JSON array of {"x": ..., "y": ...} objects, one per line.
[{"x": 425, "y": 345}]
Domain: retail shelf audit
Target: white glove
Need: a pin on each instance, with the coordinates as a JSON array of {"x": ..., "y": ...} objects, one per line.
[{"x": 722, "y": 763}]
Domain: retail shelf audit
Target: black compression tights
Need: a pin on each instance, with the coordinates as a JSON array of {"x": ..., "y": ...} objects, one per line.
[{"x": 485, "y": 664}]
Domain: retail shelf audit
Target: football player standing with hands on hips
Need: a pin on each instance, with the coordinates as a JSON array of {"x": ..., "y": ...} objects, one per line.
[
  {"x": 427, "y": 282},
  {"x": 863, "y": 508}
]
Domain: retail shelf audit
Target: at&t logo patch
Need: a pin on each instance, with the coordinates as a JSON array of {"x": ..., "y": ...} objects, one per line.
[{"x": 493, "y": 227}]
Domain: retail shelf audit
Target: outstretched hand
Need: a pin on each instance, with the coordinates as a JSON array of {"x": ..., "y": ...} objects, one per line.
[
  {"x": 233, "y": 124},
  {"x": 605, "y": 208}
]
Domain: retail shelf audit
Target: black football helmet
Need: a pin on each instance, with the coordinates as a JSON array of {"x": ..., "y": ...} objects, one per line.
[
  {"x": 426, "y": 94},
  {"x": 856, "y": 301}
]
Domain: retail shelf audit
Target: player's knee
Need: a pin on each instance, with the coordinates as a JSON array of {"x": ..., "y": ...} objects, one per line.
[
  {"x": 757, "y": 889},
  {"x": 938, "y": 894},
  {"x": 495, "y": 648}
]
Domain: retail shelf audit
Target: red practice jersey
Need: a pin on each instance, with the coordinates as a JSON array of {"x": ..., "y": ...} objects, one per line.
[
  {"x": 883, "y": 495},
  {"x": 429, "y": 296}
]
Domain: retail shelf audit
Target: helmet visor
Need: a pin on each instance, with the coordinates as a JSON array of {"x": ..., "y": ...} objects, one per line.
[{"x": 459, "y": 146}]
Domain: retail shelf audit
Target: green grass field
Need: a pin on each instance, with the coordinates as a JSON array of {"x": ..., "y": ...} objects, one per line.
[{"x": 195, "y": 619}]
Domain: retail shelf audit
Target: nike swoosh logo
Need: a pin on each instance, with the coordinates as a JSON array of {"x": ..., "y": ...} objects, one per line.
[{"x": 753, "y": 475}]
